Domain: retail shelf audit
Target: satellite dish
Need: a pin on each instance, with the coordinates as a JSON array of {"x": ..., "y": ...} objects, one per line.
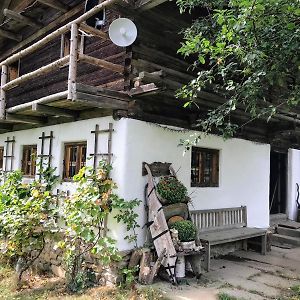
[{"x": 122, "y": 32}]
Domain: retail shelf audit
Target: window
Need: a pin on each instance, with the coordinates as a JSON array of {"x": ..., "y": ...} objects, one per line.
[
  {"x": 205, "y": 167},
  {"x": 74, "y": 160},
  {"x": 29, "y": 160},
  {"x": 13, "y": 70},
  {"x": 1, "y": 157}
]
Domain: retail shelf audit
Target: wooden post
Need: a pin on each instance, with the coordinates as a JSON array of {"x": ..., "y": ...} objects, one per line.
[
  {"x": 4, "y": 71},
  {"x": 73, "y": 62}
]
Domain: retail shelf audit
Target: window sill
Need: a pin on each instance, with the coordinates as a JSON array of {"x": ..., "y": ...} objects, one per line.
[{"x": 205, "y": 186}]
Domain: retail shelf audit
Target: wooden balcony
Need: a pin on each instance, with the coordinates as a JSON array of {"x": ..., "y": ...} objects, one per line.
[{"x": 73, "y": 98}]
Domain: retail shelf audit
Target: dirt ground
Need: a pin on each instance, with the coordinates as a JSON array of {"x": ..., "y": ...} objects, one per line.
[{"x": 242, "y": 275}]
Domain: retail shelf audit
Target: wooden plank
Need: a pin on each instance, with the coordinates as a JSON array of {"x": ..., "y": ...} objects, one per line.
[
  {"x": 101, "y": 101},
  {"x": 159, "y": 229},
  {"x": 93, "y": 31},
  {"x": 73, "y": 62},
  {"x": 83, "y": 88},
  {"x": 41, "y": 71},
  {"x": 10, "y": 35},
  {"x": 53, "y": 111},
  {"x": 101, "y": 63},
  {"x": 56, "y": 4},
  {"x": 21, "y": 19},
  {"x": 145, "y": 266},
  {"x": 25, "y": 119},
  {"x": 156, "y": 266}
]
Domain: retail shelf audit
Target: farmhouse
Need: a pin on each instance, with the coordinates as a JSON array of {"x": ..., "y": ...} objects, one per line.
[{"x": 70, "y": 96}]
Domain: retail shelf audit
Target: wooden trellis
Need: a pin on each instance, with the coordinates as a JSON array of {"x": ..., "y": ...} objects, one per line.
[
  {"x": 48, "y": 155},
  {"x": 9, "y": 154},
  {"x": 96, "y": 154},
  {"x": 108, "y": 155}
]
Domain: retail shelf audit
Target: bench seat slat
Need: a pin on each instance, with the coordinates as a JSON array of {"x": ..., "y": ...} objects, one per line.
[{"x": 230, "y": 235}]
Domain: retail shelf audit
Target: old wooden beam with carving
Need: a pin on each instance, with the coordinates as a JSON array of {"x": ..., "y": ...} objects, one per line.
[{"x": 21, "y": 19}]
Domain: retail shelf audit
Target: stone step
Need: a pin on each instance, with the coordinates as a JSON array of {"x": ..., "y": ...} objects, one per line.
[
  {"x": 286, "y": 239},
  {"x": 288, "y": 232},
  {"x": 277, "y": 218}
]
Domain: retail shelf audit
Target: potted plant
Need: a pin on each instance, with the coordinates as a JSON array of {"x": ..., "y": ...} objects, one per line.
[
  {"x": 170, "y": 190},
  {"x": 187, "y": 232}
]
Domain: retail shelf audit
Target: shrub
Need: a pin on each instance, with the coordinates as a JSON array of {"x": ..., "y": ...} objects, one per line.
[
  {"x": 186, "y": 230},
  {"x": 171, "y": 189}
]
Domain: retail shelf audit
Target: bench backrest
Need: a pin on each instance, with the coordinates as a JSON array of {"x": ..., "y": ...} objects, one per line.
[{"x": 223, "y": 218}]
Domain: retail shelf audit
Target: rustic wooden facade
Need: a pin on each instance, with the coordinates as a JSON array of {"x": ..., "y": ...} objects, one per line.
[{"x": 55, "y": 69}]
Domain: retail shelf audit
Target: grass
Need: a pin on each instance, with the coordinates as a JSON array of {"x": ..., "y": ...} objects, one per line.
[
  {"x": 295, "y": 290},
  {"x": 224, "y": 296},
  {"x": 53, "y": 288}
]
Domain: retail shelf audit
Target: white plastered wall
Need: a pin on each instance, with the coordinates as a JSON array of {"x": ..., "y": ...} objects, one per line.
[
  {"x": 244, "y": 165},
  {"x": 244, "y": 169},
  {"x": 293, "y": 178}
]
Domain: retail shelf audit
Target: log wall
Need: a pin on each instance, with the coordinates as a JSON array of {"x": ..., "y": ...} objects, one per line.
[{"x": 57, "y": 81}]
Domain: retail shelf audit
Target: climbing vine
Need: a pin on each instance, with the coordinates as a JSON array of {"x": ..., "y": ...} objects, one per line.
[{"x": 27, "y": 217}]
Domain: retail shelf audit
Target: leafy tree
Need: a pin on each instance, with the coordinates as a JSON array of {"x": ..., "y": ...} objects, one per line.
[{"x": 248, "y": 52}]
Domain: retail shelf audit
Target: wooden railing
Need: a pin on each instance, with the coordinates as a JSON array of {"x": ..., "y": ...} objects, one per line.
[
  {"x": 213, "y": 219},
  {"x": 71, "y": 60}
]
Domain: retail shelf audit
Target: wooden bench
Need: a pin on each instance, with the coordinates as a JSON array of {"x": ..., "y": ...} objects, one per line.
[{"x": 225, "y": 225}]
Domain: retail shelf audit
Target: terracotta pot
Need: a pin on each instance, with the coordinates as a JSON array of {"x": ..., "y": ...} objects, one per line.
[{"x": 177, "y": 209}]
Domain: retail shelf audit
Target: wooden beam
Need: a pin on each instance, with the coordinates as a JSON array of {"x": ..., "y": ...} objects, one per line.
[
  {"x": 6, "y": 126},
  {"x": 5, "y": 4},
  {"x": 56, "y": 4},
  {"x": 44, "y": 100},
  {"x": 44, "y": 30},
  {"x": 4, "y": 73},
  {"x": 144, "y": 90},
  {"x": 53, "y": 111},
  {"x": 26, "y": 119},
  {"x": 10, "y": 35},
  {"x": 101, "y": 101},
  {"x": 101, "y": 63},
  {"x": 147, "y": 4},
  {"x": 73, "y": 62},
  {"x": 41, "y": 71},
  {"x": 100, "y": 91},
  {"x": 21, "y": 19},
  {"x": 93, "y": 31}
]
